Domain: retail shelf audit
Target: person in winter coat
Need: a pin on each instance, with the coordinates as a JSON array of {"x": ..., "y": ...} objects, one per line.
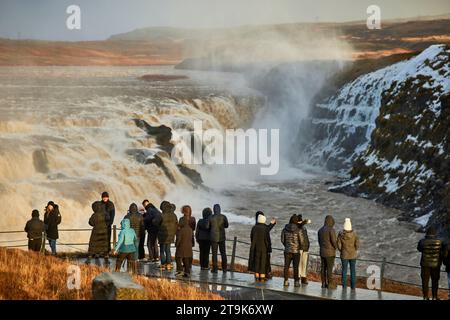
[
  {"x": 141, "y": 249},
  {"x": 168, "y": 225},
  {"x": 34, "y": 229},
  {"x": 259, "y": 249},
  {"x": 152, "y": 231},
  {"x": 187, "y": 217},
  {"x": 184, "y": 254},
  {"x": 202, "y": 235},
  {"x": 52, "y": 219},
  {"x": 110, "y": 212},
  {"x": 328, "y": 246},
  {"x": 269, "y": 227},
  {"x": 304, "y": 249},
  {"x": 126, "y": 246},
  {"x": 432, "y": 253},
  {"x": 218, "y": 223},
  {"x": 447, "y": 265},
  {"x": 290, "y": 238},
  {"x": 348, "y": 245},
  {"x": 136, "y": 222},
  {"x": 98, "y": 243}
]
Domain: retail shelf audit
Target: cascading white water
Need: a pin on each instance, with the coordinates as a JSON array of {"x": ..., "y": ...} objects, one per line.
[{"x": 65, "y": 132}]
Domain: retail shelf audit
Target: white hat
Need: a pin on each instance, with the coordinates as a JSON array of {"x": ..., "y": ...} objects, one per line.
[
  {"x": 347, "y": 224},
  {"x": 261, "y": 219}
]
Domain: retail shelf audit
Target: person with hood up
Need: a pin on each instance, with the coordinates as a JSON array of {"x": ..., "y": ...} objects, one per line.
[
  {"x": 152, "y": 230},
  {"x": 136, "y": 222},
  {"x": 348, "y": 245},
  {"x": 202, "y": 235},
  {"x": 190, "y": 220},
  {"x": 187, "y": 216},
  {"x": 34, "y": 229},
  {"x": 304, "y": 249},
  {"x": 259, "y": 249},
  {"x": 52, "y": 218},
  {"x": 126, "y": 246},
  {"x": 290, "y": 238},
  {"x": 167, "y": 223},
  {"x": 98, "y": 242},
  {"x": 328, "y": 246},
  {"x": 183, "y": 243},
  {"x": 218, "y": 223},
  {"x": 432, "y": 253},
  {"x": 110, "y": 211}
]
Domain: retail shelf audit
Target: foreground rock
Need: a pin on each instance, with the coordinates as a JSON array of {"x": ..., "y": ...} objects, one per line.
[{"x": 116, "y": 286}]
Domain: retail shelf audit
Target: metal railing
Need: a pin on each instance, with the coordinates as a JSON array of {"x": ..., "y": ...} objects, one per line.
[{"x": 313, "y": 263}]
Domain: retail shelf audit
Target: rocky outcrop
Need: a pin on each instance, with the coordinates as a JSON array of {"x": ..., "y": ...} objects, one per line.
[
  {"x": 405, "y": 163},
  {"x": 162, "y": 134},
  {"x": 116, "y": 286}
]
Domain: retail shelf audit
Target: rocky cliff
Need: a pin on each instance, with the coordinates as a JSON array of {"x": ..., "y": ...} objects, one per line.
[{"x": 390, "y": 130}]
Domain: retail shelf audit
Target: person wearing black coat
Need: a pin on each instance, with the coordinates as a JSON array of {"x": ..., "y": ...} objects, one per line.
[
  {"x": 52, "y": 219},
  {"x": 34, "y": 229},
  {"x": 432, "y": 255},
  {"x": 218, "y": 223},
  {"x": 167, "y": 223},
  {"x": 98, "y": 242},
  {"x": 152, "y": 230},
  {"x": 291, "y": 239},
  {"x": 110, "y": 212},
  {"x": 259, "y": 248},
  {"x": 269, "y": 227},
  {"x": 202, "y": 235},
  {"x": 447, "y": 265}
]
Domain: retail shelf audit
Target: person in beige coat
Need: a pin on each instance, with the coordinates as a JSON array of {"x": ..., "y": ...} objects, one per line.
[{"x": 348, "y": 245}]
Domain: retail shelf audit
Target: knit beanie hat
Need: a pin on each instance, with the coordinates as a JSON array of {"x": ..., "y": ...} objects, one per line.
[
  {"x": 347, "y": 224},
  {"x": 261, "y": 219}
]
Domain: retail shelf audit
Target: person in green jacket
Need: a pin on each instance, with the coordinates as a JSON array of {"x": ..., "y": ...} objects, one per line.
[
  {"x": 348, "y": 245},
  {"x": 126, "y": 247}
]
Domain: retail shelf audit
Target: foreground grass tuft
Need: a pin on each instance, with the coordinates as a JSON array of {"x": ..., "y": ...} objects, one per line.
[{"x": 30, "y": 276}]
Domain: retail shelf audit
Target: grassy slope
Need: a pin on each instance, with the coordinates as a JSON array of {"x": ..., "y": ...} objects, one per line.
[{"x": 30, "y": 276}]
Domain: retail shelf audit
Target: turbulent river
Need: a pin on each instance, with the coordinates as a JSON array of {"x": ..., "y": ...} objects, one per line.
[{"x": 65, "y": 132}]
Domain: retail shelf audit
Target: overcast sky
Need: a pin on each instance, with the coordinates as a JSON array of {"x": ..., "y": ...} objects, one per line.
[{"x": 46, "y": 19}]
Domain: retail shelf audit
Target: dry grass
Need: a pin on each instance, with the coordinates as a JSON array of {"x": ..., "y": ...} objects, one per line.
[{"x": 30, "y": 276}]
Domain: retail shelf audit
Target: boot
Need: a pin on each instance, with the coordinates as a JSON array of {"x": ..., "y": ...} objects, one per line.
[
  {"x": 286, "y": 283},
  {"x": 304, "y": 280},
  {"x": 332, "y": 286},
  {"x": 297, "y": 283}
]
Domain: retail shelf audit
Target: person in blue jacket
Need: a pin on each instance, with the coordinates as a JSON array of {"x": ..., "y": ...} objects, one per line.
[{"x": 126, "y": 247}]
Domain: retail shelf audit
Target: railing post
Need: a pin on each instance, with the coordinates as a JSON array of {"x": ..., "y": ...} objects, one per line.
[
  {"x": 44, "y": 239},
  {"x": 114, "y": 236},
  {"x": 233, "y": 254},
  {"x": 383, "y": 266}
]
